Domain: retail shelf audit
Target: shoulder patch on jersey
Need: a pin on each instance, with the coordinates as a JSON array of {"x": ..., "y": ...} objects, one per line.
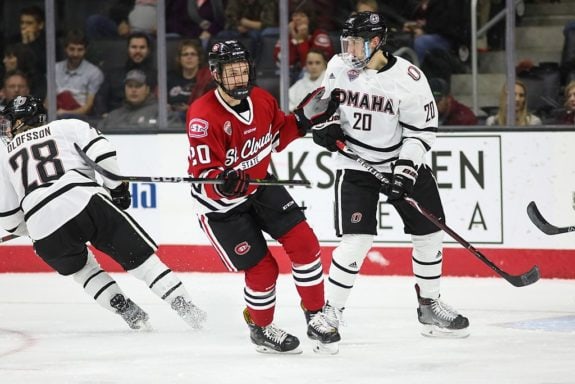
[
  {"x": 198, "y": 128},
  {"x": 352, "y": 74}
]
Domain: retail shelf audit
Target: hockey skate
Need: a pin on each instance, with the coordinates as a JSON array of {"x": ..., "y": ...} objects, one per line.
[
  {"x": 440, "y": 320},
  {"x": 190, "y": 313},
  {"x": 320, "y": 330},
  {"x": 271, "y": 339},
  {"x": 130, "y": 312}
]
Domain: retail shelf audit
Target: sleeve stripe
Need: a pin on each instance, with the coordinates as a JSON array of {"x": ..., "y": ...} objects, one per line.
[
  {"x": 412, "y": 128},
  {"x": 425, "y": 145},
  {"x": 9, "y": 213},
  {"x": 87, "y": 147},
  {"x": 105, "y": 156}
]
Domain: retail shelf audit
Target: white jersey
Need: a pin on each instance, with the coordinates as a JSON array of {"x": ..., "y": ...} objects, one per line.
[
  {"x": 44, "y": 182},
  {"x": 385, "y": 115}
]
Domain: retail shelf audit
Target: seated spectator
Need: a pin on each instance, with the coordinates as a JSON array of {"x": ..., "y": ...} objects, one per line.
[
  {"x": 190, "y": 80},
  {"x": 315, "y": 66},
  {"x": 111, "y": 92},
  {"x": 567, "y": 116},
  {"x": 20, "y": 57},
  {"x": 140, "y": 109},
  {"x": 250, "y": 18},
  {"x": 450, "y": 111},
  {"x": 195, "y": 19},
  {"x": 522, "y": 115},
  {"x": 303, "y": 37},
  {"x": 142, "y": 18},
  {"x": 77, "y": 80},
  {"x": 113, "y": 23},
  {"x": 32, "y": 34},
  {"x": 436, "y": 25},
  {"x": 15, "y": 84}
]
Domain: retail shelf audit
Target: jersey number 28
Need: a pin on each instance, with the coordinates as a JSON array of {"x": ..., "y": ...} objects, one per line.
[{"x": 48, "y": 166}]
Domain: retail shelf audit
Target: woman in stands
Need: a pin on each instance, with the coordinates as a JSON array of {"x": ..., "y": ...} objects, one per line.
[
  {"x": 522, "y": 115},
  {"x": 567, "y": 117},
  {"x": 190, "y": 79}
]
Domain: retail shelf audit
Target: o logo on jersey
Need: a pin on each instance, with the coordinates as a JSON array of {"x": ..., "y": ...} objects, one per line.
[
  {"x": 356, "y": 217},
  {"x": 242, "y": 248},
  {"x": 414, "y": 73},
  {"x": 198, "y": 128}
]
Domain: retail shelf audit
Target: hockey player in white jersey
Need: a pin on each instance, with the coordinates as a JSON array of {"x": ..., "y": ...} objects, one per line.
[
  {"x": 50, "y": 194},
  {"x": 388, "y": 116}
]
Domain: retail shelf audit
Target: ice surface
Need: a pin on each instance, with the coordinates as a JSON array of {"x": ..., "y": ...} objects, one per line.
[{"x": 51, "y": 332}]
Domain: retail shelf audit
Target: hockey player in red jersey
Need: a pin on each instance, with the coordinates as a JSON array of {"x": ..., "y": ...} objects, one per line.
[{"x": 232, "y": 132}]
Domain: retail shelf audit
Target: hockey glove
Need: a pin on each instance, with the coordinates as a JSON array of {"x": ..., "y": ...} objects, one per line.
[
  {"x": 121, "y": 196},
  {"x": 402, "y": 181},
  {"x": 235, "y": 183},
  {"x": 314, "y": 110},
  {"x": 327, "y": 136}
]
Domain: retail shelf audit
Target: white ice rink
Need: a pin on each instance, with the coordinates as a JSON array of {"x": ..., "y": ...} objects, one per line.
[{"x": 51, "y": 332}]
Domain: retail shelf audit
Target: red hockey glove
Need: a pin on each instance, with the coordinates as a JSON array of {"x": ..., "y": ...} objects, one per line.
[
  {"x": 121, "y": 196},
  {"x": 235, "y": 183},
  {"x": 402, "y": 181},
  {"x": 314, "y": 110}
]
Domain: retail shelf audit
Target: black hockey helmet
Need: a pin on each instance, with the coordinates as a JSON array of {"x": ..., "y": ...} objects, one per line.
[
  {"x": 231, "y": 51},
  {"x": 364, "y": 25},
  {"x": 21, "y": 114}
]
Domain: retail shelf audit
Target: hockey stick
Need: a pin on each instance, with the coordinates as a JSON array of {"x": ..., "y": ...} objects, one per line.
[
  {"x": 522, "y": 280},
  {"x": 168, "y": 179},
  {"x": 8, "y": 238},
  {"x": 542, "y": 224}
]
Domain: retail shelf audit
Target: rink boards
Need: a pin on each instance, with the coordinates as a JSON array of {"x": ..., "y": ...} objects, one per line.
[{"x": 486, "y": 181}]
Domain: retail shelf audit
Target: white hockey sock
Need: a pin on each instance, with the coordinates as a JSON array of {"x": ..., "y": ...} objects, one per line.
[
  {"x": 97, "y": 283},
  {"x": 347, "y": 259},
  {"x": 160, "y": 279},
  {"x": 427, "y": 261}
]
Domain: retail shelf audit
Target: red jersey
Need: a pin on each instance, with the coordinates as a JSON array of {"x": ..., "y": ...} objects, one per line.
[{"x": 222, "y": 138}]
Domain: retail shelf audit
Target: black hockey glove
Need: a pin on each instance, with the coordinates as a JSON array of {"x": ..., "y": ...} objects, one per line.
[
  {"x": 235, "y": 183},
  {"x": 121, "y": 196},
  {"x": 402, "y": 180},
  {"x": 314, "y": 110},
  {"x": 327, "y": 136}
]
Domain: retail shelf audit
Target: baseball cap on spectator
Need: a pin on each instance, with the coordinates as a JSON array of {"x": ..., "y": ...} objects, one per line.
[
  {"x": 137, "y": 76},
  {"x": 439, "y": 87}
]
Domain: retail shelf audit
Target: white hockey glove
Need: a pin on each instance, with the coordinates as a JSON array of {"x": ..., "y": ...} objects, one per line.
[{"x": 314, "y": 110}]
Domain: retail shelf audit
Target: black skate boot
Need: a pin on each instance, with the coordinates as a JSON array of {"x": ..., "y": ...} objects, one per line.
[
  {"x": 130, "y": 312},
  {"x": 320, "y": 330},
  {"x": 271, "y": 339},
  {"x": 190, "y": 313},
  {"x": 440, "y": 320}
]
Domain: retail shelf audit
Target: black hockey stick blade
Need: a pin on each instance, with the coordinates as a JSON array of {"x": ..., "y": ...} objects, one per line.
[
  {"x": 540, "y": 222},
  {"x": 522, "y": 280},
  {"x": 8, "y": 238},
  {"x": 169, "y": 179}
]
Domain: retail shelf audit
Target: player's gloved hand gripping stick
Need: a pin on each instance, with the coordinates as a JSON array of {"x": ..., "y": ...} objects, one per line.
[
  {"x": 522, "y": 280},
  {"x": 169, "y": 179}
]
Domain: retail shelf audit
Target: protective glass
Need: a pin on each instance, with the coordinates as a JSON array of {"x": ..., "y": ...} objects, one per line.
[
  {"x": 355, "y": 51},
  {"x": 5, "y": 130}
]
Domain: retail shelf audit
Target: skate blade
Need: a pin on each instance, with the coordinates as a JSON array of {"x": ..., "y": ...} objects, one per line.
[
  {"x": 142, "y": 326},
  {"x": 325, "y": 349},
  {"x": 271, "y": 351},
  {"x": 438, "y": 332}
]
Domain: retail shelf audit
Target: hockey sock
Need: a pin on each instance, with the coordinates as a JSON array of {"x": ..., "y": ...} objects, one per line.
[
  {"x": 427, "y": 261},
  {"x": 260, "y": 290},
  {"x": 347, "y": 259},
  {"x": 302, "y": 247},
  {"x": 97, "y": 283},
  {"x": 160, "y": 279}
]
